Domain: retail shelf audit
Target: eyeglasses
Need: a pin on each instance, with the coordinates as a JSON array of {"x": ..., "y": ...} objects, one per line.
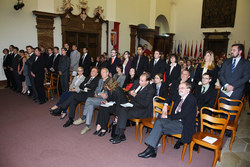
[{"x": 205, "y": 78}]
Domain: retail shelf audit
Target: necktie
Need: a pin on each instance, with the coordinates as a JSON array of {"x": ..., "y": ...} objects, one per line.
[
  {"x": 112, "y": 60},
  {"x": 179, "y": 107},
  {"x": 203, "y": 90},
  {"x": 89, "y": 81},
  {"x": 138, "y": 62},
  {"x": 233, "y": 65},
  {"x": 155, "y": 62},
  {"x": 83, "y": 57}
]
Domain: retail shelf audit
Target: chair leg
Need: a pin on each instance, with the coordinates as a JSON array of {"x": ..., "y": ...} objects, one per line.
[
  {"x": 191, "y": 146},
  {"x": 141, "y": 128},
  {"x": 183, "y": 151},
  {"x": 93, "y": 119},
  {"x": 198, "y": 149},
  {"x": 136, "y": 130},
  {"x": 216, "y": 155},
  {"x": 167, "y": 139},
  {"x": 163, "y": 143},
  {"x": 48, "y": 95},
  {"x": 79, "y": 108},
  {"x": 232, "y": 139},
  {"x": 172, "y": 140}
]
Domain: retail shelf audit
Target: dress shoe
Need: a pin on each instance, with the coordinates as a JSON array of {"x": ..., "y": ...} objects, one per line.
[
  {"x": 37, "y": 101},
  {"x": 102, "y": 134},
  {"x": 42, "y": 102},
  {"x": 97, "y": 132},
  {"x": 118, "y": 139},
  {"x": 85, "y": 130},
  {"x": 68, "y": 123},
  {"x": 56, "y": 112},
  {"x": 79, "y": 121},
  {"x": 63, "y": 115},
  {"x": 149, "y": 152},
  {"x": 178, "y": 144}
]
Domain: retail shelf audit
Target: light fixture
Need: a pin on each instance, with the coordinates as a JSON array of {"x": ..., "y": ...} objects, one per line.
[{"x": 19, "y": 5}]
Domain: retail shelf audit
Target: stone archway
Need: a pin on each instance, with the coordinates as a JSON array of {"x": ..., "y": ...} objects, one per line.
[{"x": 161, "y": 23}]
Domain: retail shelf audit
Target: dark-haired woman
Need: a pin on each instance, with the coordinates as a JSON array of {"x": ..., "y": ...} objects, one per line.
[
  {"x": 119, "y": 76},
  {"x": 115, "y": 94},
  {"x": 126, "y": 63},
  {"x": 173, "y": 70}
]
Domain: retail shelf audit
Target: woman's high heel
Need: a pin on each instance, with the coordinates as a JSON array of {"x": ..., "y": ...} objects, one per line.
[{"x": 97, "y": 132}]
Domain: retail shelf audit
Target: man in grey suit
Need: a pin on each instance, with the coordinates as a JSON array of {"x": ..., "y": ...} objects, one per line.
[
  {"x": 74, "y": 59},
  {"x": 93, "y": 102},
  {"x": 234, "y": 73}
]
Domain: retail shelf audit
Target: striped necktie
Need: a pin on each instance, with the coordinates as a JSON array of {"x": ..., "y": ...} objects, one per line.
[{"x": 233, "y": 65}]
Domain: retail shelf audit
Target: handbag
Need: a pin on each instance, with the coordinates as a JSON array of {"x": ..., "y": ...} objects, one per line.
[{"x": 112, "y": 128}]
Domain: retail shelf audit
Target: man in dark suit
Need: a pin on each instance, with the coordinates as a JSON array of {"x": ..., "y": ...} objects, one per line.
[
  {"x": 49, "y": 59},
  {"x": 87, "y": 87},
  {"x": 56, "y": 59},
  {"x": 140, "y": 62},
  {"x": 181, "y": 121},
  {"x": 156, "y": 65},
  {"x": 113, "y": 61},
  {"x": 141, "y": 95},
  {"x": 9, "y": 64},
  {"x": 85, "y": 62},
  {"x": 102, "y": 63},
  {"x": 5, "y": 66},
  {"x": 66, "y": 45},
  {"x": 37, "y": 72},
  {"x": 17, "y": 85},
  {"x": 234, "y": 73}
]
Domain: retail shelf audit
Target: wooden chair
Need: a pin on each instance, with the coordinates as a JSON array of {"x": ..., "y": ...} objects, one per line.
[
  {"x": 217, "y": 97},
  {"x": 232, "y": 124},
  {"x": 214, "y": 123},
  {"x": 149, "y": 122},
  {"x": 54, "y": 81}
]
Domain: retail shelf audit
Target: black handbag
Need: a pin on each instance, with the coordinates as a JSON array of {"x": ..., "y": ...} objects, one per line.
[{"x": 112, "y": 128}]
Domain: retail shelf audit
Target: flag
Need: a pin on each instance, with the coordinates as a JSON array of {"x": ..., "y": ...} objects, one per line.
[
  {"x": 200, "y": 50},
  {"x": 181, "y": 49},
  {"x": 188, "y": 50},
  {"x": 184, "y": 53},
  {"x": 191, "y": 53},
  {"x": 178, "y": 49},
  {"x": 195, "y": 52}
]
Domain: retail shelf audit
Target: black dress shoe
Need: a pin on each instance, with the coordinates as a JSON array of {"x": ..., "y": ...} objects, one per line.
[
  {"x": 178, "y": 144},
  {"x": 118, "y": 139},
  {"x": 37, "y": 101},
  {"x": 56, "y": 112},
  {"x": 149, "y": 152},
  {"x": 102, "y": 134},
  {"x": 42, "y": 102},
  {"x": 68, "y": 123},
  {"x": 97, "y": 132}
]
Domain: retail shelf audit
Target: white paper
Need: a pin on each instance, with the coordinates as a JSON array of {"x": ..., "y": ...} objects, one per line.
[
  {"x": 210, "y": 140},
  {"x": 127, "y": 105},
  {"x": 47, "y": 83},
  {"x": 227, "y": 93},
  {"x": 74, "y": 73},
  {"x": 108, "y": 104}
]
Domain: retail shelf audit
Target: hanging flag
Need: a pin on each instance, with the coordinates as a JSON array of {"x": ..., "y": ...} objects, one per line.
[
  {"x": 181, "y": 49},
  {"x": 188, "y": 50},
  {"x": 195, "y": 52},
  {"x": 200, "y": 50},
  {"x": 185, "y": 50},
  {"x": 178, "y": 48},
  {"x": 191, "y": 53}
]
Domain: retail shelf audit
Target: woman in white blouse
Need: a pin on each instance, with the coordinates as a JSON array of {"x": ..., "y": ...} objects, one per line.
[{"x": 74, "y": 87}]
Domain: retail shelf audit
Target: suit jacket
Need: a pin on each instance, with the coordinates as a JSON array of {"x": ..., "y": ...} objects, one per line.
[
  {"x": 56, "y": 62},
  {"x": 64, "y": 65},
  {"x": 198, "y": 75},
  {"x": 15, "y": 62},
  {"x": 207, "y": 99},
  {"x": 119, "y": 96},
  {"x": 127, "y": 67},
  {"x": 175, "y": 73},
  {"x": 38, "y": 67},
  {"x": 100, "y": 87},
  {"x": 187, "y": 115},
  {"x": 159, "y": 67},
  {"x": 143, "y": 101},
  {"x": 74, "y": 60},
  {"x": 9, "y": 59},
  {"x": 91, "y": 86},
  {"x": 237, "y": 79},
  {"x": 75, "y": 85},
  {"x": 30, "y": 61},
  {"x": 4, "y": 60},
  {"x": 85, "y": 64},
  {"x": 104, "y": 64},
  {"x": 112, "y": 67},
  {"x": 49, "y": 61},
  {"x": 142, "y": 66},
  {"x": 163, "y": 90},
  {"x": 120, "y": 79}
]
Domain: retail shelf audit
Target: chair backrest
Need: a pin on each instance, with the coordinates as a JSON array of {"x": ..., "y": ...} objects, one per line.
[
  {"x": 217, "y": 97},
  {"x": 232, "y": 105},
  {"x": 214, "y": 122},
  {"x": 158, "y": 106},
  {"x": 54, "y": 80},
  {"x": 46, "y": 78}
]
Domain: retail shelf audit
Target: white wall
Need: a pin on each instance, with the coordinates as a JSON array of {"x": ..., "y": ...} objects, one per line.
[
  {"x": 17, "y": 27},
  {"x": 188, "y": 23}
]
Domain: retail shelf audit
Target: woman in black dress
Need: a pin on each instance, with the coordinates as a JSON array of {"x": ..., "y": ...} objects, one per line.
[{"x": 20, "y": 68}]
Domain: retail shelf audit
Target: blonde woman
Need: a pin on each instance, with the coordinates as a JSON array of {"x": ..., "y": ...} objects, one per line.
[{"x": 208, "y": 66}]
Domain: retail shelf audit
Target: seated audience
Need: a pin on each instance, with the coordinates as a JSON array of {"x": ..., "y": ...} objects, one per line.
[
  {"x": 181, "y": 121},
  {"x": 92, "y": 102},
  {"x": 87, "y": 87},
  {"x": 161, "y": 88},
  {"x": 115, "y": 94},
  {"x": 74, "y": 87},
  {"x": 119, "y": 76},
  {"x": 141, "y": 95}
]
